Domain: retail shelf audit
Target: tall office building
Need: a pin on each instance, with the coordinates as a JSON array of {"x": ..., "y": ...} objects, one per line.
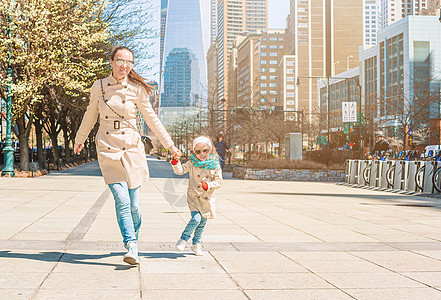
[
  {"x": 181, "y": 82},
  {"x": 187, "y": 27},
  {"x": 400, "y": 72},
  {"x": 164, "y": 5},
  {"x": 371, "y": 21},
  {"x": 394, "y": 10},
  {"x": 234, "y": 18},
  {"x": 213, "y": 21},
  {"x": 326, "y": 36}
]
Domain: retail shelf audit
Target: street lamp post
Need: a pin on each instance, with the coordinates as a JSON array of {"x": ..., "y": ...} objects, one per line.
[
  {"x": 347, "y": 62},
  {"x": 360, "y": 114},
  {"x": 8, "y": 150}
]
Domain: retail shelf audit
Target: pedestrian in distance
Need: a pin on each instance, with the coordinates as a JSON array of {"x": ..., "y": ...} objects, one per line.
[
  {"x": 221, "y": 148},
  {"x": 121, "y": 154},
  {"x": 205, "y": 176},
  {"x": 381, "y": 145}
]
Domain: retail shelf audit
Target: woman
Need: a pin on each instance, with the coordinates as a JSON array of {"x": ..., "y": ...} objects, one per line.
[
  {"x": 221, "y": 148},
  {"x": 121, "y": 155}
]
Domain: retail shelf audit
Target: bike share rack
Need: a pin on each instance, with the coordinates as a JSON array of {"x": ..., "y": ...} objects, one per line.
[{"x": 411, "y": 176}]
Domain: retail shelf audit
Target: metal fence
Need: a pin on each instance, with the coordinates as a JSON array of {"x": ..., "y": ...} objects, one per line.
[{"x": 411, "y": 176}]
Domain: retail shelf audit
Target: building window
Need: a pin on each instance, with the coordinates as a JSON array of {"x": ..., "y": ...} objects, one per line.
[
  {"x": 263, "y": 92},
  {"x": 273, "y": 85},
  {"x": 263, "y": 47},
  {"x": 263, "y": 77},
  {"x": 290, "y": 94},
  {"x": 263, "y": 107},
  {"x": 273, "y": 92},
  {"x": 273, "y": 54},
  {"x": 273, "y": 70},
  {"x": 273, "y": 46},
  {"x": 281, "y": 39},
  {"x": 263, "y": 84},
  {"x": 290, "y": 63},
  {"x": 273, "y": 77},
  {"x": 273, "y": 62},
  {"x": 263, "y": 62},
  {"x": 290, "y": 79},
  {"x": 263, "y": 54},
  {"x": 263, "y": 70},
  {"x": 290, "y": 86},
  {"x": 273, "y": 99},
  {"x": 289, "y": 71},
  {"x": 262, "y": 100},
  {"x": 272, "y": 39},
  {"x": 290, "y": 102}
]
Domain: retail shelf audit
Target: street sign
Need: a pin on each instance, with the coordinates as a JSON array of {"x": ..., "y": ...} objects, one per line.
[
  {"x": 346, "y": 128},
  {"x": 349, "y": 111}
]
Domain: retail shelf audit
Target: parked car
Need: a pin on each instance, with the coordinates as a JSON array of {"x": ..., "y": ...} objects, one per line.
[{"x": 430, "y": 151}]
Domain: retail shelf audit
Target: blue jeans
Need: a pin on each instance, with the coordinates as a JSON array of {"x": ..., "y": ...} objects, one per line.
[
  {"x": 128, "y": 209},
  {"x": 222, "y": 161},
  {"x": 197, "y": 224}
]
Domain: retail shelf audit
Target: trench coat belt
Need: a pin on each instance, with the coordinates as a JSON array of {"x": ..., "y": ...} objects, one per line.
[{"x": 117, "y": 124}]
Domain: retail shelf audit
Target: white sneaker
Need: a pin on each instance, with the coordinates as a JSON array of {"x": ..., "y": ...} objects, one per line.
[
  {"x": 180, "y": 244},
  {"x": 131, "y": 257},
  {"x": 197, "y": 249}
]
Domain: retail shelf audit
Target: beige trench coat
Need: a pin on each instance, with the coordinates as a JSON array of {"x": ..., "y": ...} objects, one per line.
[
  {"x": 197, "y": 198},
  {"x": 121, "y": 153}
]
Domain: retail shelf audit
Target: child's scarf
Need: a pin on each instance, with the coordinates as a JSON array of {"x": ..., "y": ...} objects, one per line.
[{"x": 211, "y": 163}]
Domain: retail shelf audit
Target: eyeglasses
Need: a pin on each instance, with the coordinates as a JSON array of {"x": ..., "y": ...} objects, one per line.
[
  {"x": 120, "y": 62},
  {"x": 205, "y": 151}
]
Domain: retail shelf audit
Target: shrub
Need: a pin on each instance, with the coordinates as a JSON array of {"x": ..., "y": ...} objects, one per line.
[{"x": 280, "y": 163}]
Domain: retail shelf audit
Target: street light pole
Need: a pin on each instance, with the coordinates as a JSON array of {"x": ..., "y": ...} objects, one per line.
[
  {"x": 8, "y": 150},
  {"x": 347, "y": 62}
]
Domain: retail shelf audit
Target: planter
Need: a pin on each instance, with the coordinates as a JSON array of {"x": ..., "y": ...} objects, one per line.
[{"x": 290, "y": 174}]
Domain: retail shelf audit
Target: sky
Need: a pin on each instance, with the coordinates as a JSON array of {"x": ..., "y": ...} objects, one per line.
[{"x": 277, "y": 12}]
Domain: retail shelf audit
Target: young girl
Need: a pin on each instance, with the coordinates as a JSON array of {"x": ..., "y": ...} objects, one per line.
[{"x": 205, "y": 176}]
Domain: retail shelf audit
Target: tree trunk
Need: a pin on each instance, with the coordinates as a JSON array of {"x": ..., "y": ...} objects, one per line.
[
  {"x": 40, "y": 147},
  {"x": 55, "y": 152},
  {"x": 23, "y": 138},
  {"x": 66, "y": 144}
]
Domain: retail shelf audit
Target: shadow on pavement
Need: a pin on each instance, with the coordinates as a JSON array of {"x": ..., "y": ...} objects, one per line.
[
  {"x": 87, "y": 169},
  {"x": 84, "y": 259},
  {"x": 161, "y": 169}
]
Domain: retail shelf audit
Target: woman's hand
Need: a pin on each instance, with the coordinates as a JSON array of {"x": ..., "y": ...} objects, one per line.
[
  {"x": 78, "y": 148},
  {"x": 176, "y": 153}
]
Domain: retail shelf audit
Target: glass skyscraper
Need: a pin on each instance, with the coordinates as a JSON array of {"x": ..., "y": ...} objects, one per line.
[
  {"x": 186, "y": 42},
  {"x": 181, "y": 81}
]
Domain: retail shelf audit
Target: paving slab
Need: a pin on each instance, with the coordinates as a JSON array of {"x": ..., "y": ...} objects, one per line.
[{"x": 271, "y": 240}]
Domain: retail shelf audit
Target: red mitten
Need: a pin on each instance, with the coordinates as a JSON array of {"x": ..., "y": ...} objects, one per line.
[
  {"x": 204, "y": 185},
  {"x": 174, "y": 162}
]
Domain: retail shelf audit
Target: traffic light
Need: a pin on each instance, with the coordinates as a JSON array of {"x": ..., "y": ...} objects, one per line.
[{"x": 410, "y": 140}]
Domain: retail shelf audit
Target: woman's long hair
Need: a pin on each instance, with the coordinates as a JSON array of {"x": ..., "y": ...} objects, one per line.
[{"x": 133, "y": 76}]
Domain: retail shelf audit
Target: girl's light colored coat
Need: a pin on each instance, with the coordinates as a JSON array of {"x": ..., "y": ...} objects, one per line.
[
  {"x": 197, "y": 198},
  {"x": 120, "y": 150}
]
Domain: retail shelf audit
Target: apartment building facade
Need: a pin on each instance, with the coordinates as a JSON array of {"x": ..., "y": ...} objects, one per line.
[
  {"x": 401, "y": 71},
  {"x": 325, "y": 36},
  {"x": 234, "y": 18}
]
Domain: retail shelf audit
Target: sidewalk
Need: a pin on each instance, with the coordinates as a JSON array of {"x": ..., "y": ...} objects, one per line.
[{"x": 271, "y": 240}]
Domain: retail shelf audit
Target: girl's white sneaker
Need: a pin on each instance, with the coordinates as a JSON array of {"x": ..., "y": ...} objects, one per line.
[
  {"x": 197, "y": 249},
  {"x": 180, "y": 244}
]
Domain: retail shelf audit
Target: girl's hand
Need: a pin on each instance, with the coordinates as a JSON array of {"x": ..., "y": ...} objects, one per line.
[
  {"x": 204, "y": 185},
  {"x": 176, "y": 153},
  {"x": 78, "y": 148}
]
